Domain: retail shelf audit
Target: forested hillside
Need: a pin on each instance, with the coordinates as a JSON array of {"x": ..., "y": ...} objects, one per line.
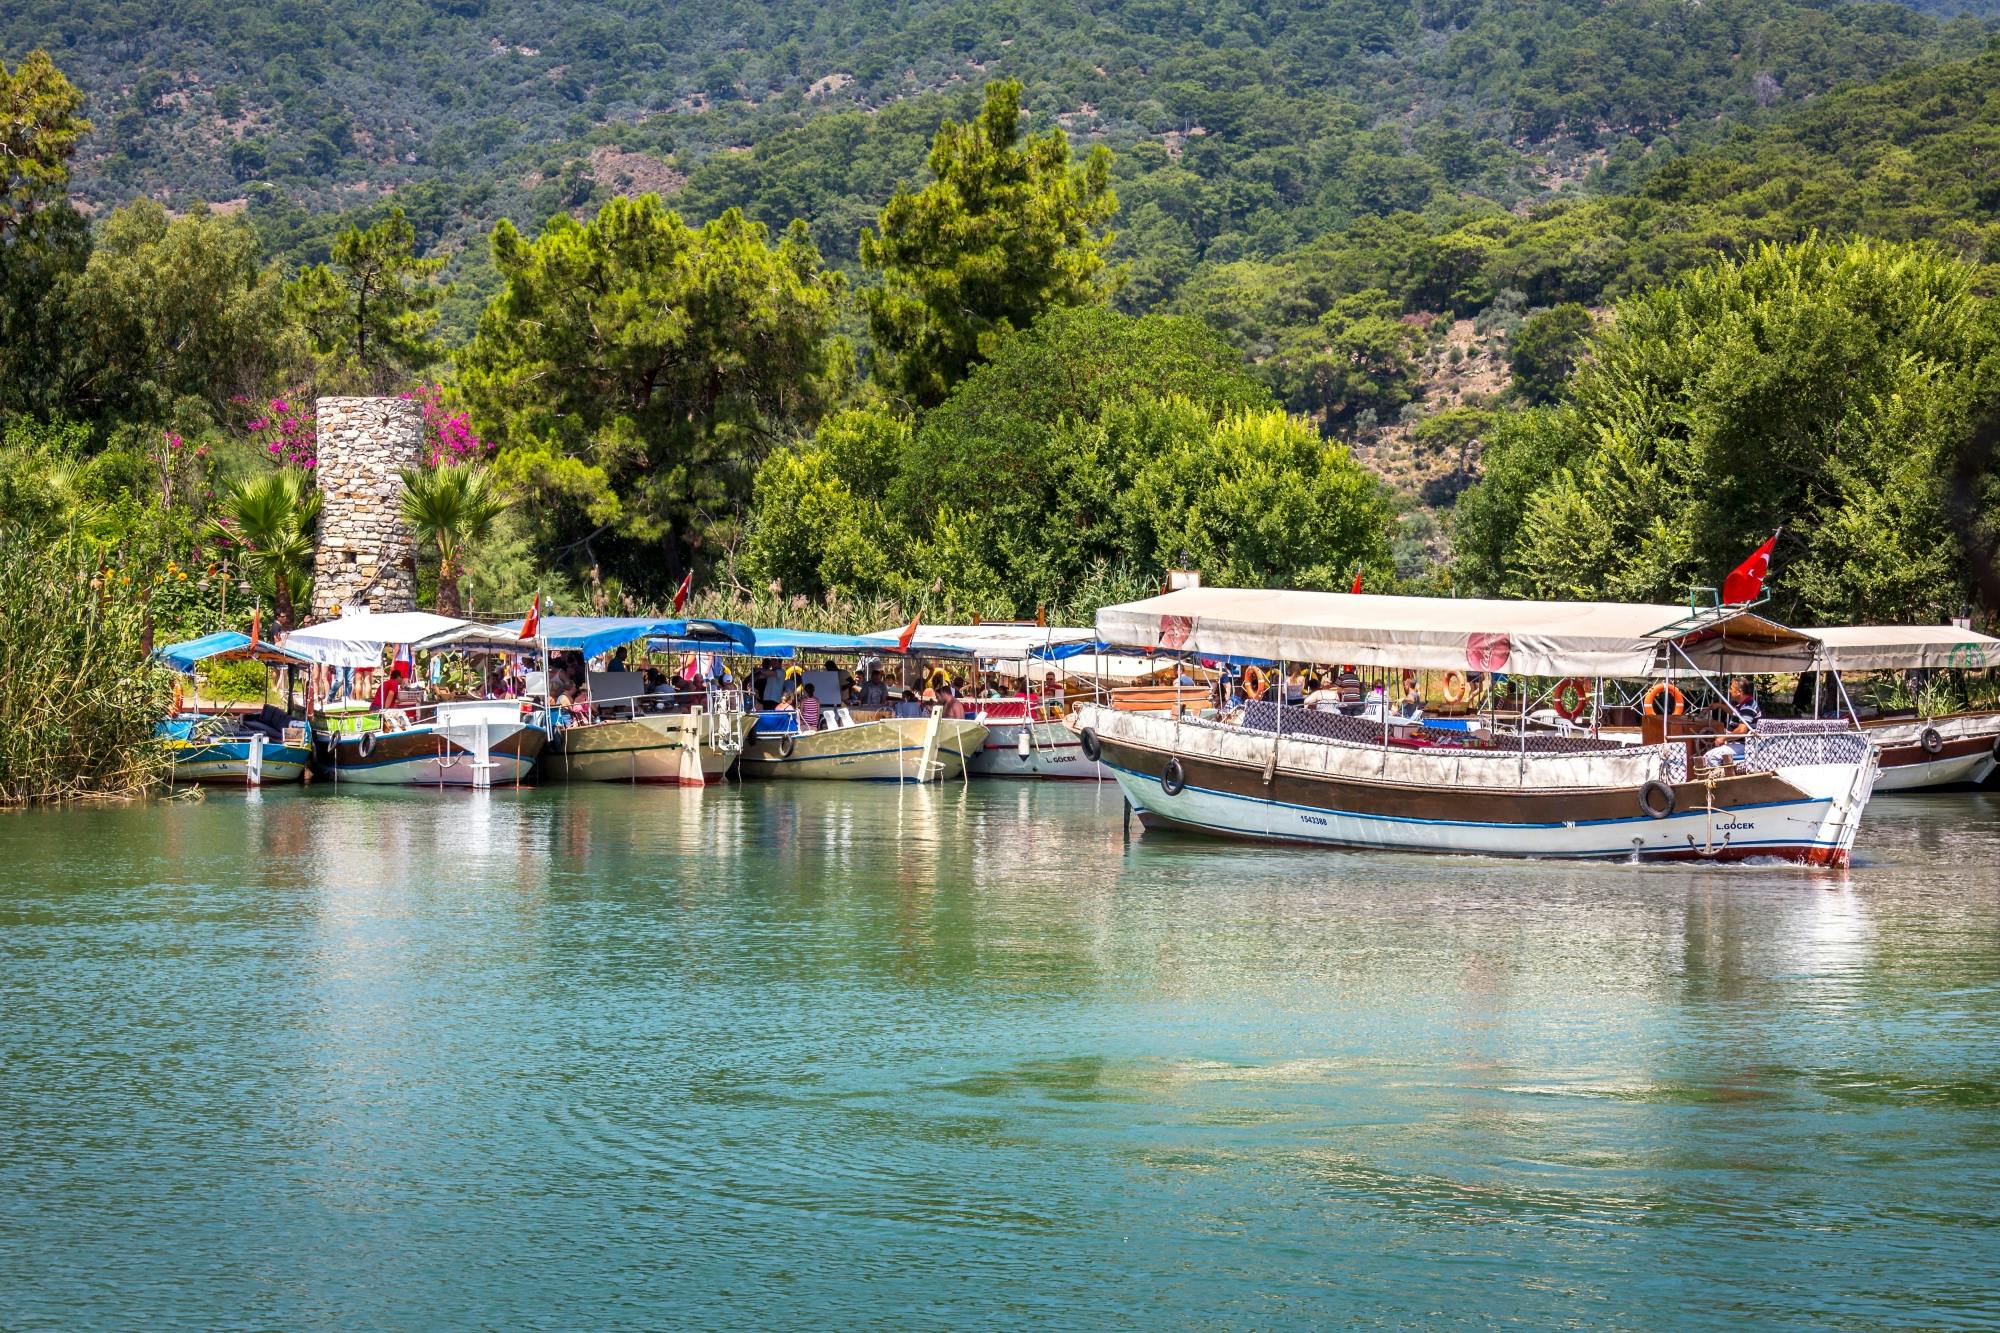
[{"x": 1295, "y": 266}]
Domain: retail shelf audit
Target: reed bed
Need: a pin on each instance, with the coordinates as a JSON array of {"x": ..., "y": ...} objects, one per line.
[{"x": 78, "y": 698}]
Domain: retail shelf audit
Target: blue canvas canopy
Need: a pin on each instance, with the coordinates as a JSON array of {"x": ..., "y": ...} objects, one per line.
[
  {"x": 184, "y": 657},
  {"x": 594, "y": 636},
  {"x": 789, "y": 643}
]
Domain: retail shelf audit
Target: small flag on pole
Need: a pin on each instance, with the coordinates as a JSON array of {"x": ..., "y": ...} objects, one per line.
[
  {"x": 533, "y": 624},
  {"x": 1746, "y": 581},
  {"x": 1357, "y": 582},
  {"x": 681, "y": 593},
  {"x": 909, "y": 633}
]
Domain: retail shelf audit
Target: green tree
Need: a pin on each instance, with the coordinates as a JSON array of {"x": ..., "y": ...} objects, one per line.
[
  {"x": 39, "y": 127},
  {"x": 43, "y": 241},
  {"x": 452, "y": 507},
  {"x": 1545, "y": 349},
  {"x": 268, "y": 525},
  {"x": 635, "y": 370},
  {"x": 371, "y": 311},
  {"x": 1007, "y": 229},
  {"x": 1825, "y": 386}
]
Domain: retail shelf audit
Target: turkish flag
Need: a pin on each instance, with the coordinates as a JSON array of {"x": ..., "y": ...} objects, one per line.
[
  {"x": 681, "y": 593},
  {"x": 909, "y": 633},
  {"x": 1746, "y": 581},
  {"x": 1357, "y": 582},
  {"x": 533, "y": 624}
]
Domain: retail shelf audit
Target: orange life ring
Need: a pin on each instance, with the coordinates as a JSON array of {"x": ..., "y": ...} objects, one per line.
[
  {"x": 1456, "y": 687},
  {"x": 1570, "y": 697},
  {"x": 1253, "y": 682},
  {"x": 1669, "y": 688}
]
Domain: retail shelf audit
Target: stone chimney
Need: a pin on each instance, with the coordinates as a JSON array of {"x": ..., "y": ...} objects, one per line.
[{"x": 365, "y": 560}]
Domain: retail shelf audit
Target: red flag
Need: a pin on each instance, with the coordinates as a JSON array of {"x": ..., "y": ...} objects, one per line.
[
  {"x": 1746, "y": 581},
  {"x": 1357, "y": 582},
  {"x": 533, "y": 624},
  {"x": 909, "y": 633},
  {"x": 256, "y": 625},
  {"x": 681, "y": 593}
]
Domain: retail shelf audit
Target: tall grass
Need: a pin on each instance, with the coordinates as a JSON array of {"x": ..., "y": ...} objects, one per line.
[{"x": 78, "y": 698}]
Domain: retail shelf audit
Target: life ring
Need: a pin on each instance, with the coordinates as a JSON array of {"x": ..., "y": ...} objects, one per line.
[
  {"x": 1932, "y": 742},
  {"x": 366, "y": 745},
  {"x": 1656, "y": 799},
  {"x": 785, "y": 744},
  {"x": 1172, "y": 780},
  {"x": 1093, "y": 750},
  {"x": 1253, "y": 682},
  {"x": 1570, "y": 697},
  {"x": 1456, "y": 687},
  {"x": 1670, "y": 689}
]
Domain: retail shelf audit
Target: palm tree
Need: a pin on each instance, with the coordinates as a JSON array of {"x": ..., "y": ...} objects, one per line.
[
  {"x": 452, "y": 507},
  {"x": 270, "y": 523}
]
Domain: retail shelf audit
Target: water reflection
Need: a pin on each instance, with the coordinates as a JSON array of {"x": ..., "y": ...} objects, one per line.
[{"x": 520, "y": 1055}]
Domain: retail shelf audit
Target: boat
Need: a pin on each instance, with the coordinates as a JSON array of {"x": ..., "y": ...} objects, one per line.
[
  {"x": 855, "y": 745},
  {"x": 1025, "y": 735},
  {"x": 1916, "y": 752},
  {"x": 1296, "y": 775},
  {"x": 448, "y": 743},
  {"x": 690, "y": 737},
  {"x": 226, "y": 747}
]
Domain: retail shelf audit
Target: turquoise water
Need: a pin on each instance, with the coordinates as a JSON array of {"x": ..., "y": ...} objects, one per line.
[{"x": 826, "y": 1056}]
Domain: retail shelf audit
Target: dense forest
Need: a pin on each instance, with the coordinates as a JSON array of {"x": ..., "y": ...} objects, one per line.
[{"x": 984, "y": 309}]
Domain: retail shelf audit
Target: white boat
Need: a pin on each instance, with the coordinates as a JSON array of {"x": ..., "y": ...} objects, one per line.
[
  {"x": 223, "y": 746},
  {"x": 1958, "y": 749},
  {"x": 1022, "y": 743},
  {"x": 932, "y": 748},
  {"x": 1296, "y": 775}
]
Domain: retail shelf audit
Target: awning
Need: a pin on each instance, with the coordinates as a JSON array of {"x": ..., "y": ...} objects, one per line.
[
  {"x": 229, "y": 645},
  {"x": 358, "y": 640},
  {"x": 1905, "y": 648},
  {"x": 795, "y": 642},
  {"x": 997, "y": 641},
  {"x": 595, "y": 635},
  {"x": 1441, "y": 633}
]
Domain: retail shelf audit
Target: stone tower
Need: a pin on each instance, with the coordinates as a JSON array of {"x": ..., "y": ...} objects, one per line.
[{"x": 365, "y": 560}]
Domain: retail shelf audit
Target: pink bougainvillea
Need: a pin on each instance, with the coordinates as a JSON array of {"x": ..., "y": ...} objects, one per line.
[
  {"x": 448, "y": 436},
  {"x": 287, "y": 433}
]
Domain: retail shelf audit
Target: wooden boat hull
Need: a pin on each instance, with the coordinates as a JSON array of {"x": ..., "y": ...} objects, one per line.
[
  {"x": 655, "y": 748},
  {"x": 431, "y": 757},
  {"x": 1053, "y": 752},
  {"x": 226, "y": 763},
  {"x": 889, "y": 749},
  {"x": 1961, "y": 751},
  {"x": 1806, "y": 813}
]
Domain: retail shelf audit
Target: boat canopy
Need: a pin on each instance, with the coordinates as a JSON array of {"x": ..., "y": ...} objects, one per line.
[
  {"x": 358, "y": 640},
  {"x": 229, "y": 645},
  {"x": 997, "y": 641},
  {"x": 1904, "y": 648},
  {"x": 594, "y": 636},
  {"x": 1466, "y": 634},
  {"x": 784, "y": 643}
]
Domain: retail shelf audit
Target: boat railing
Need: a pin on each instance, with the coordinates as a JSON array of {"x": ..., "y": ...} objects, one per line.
[{"x": 343, "y": 722}]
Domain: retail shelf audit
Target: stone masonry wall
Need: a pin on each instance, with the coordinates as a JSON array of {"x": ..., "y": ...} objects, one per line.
[{"x": 365, "y": 560}]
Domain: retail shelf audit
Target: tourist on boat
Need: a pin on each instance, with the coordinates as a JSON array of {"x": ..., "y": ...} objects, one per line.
[
  {"x": 1323, "y": 696},
  {"x": 810, "y": 712},
  {"x": 874, "y": 694},
  {"x": 1412, "y": 706},
  {"x": 1743, "y": 697},
  {"x": 909, "y": 705}
]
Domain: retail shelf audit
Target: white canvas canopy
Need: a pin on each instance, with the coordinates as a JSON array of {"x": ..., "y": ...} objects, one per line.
[
  {"x": 358, "y": 640},
  {"x": 1442, "y": 633},
  {"x": 1904, "y": 648}
]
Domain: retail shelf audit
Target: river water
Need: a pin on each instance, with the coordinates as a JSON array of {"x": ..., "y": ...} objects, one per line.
[{"x": 817, "y": 1056}]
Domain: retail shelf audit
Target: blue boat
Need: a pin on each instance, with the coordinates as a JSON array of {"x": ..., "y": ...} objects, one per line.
[{"x": 230, "y": 748}]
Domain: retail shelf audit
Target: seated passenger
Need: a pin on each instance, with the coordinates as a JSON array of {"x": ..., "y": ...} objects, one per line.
[
  {"x": 874, "y": 694},
  {"x": 908, "y": 705}
]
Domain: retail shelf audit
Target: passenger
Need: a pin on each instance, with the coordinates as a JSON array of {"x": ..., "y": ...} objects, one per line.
[
  {"x": 809, "y": 709},
  {"x": 1743, "y": 696},
  {"x": 874, "y": 694},
  {"x": 907, "y": 706},
  {"x": 1413, "y": 702},
  {"x": 618, "y": 660},
  {"x": 1323, "y": 696},
  {"x": 1295, "y": 688},
  {"x": 954, "y": 707}
]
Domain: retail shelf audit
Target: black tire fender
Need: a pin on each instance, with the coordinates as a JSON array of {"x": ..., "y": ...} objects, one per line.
[
  {"x": 1656, "y": 799},
  {"x": 1930, "y": 740},
  {"x": 1093, "y": 751},
  {"x": 366, "y": 745},
  {"x": 1172, "y": 780},
  {"x": 785, "y": 744}
]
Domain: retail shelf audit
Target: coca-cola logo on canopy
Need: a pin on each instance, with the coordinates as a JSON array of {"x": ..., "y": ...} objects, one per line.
[
  {"x": 1487, "y": 652},
  {"x": 1174, "y": 631}
]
